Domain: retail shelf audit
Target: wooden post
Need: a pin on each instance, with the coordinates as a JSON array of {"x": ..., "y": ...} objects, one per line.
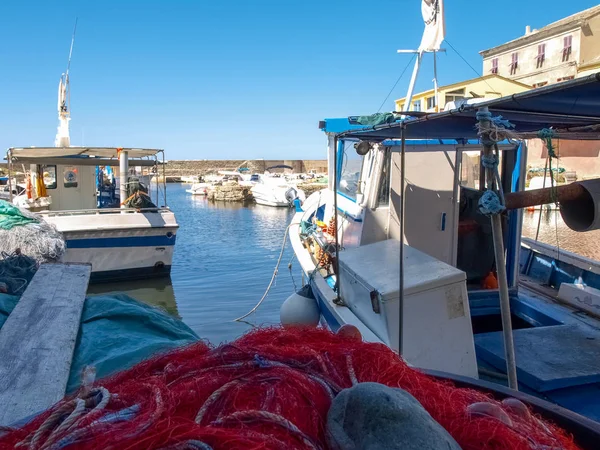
[{"x": 509, "y": 347}]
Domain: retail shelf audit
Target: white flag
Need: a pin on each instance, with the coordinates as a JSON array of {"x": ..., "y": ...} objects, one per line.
[{"x": 433, "y": 16}]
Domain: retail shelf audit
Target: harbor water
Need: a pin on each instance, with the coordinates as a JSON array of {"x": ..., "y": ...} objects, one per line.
[{"x": 224, "y": 258}]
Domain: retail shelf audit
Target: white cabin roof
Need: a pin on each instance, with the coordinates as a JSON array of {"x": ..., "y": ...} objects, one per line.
[{"x": 100, "y": 152}]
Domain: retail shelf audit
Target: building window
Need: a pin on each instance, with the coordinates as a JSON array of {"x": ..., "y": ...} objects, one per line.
[
  {"x": 401, "y": 107},
  {"x": 567, "y": 45},
  {"x": 431, "y": 103},
  {"x": 570, "y": 77},
  {"x": 540, "y": 84},
  {"x": 495, "y": 66},
  {"x": 514, "y": 64},
  {"x": 417, "y": 105},
  {"x": 453, "y": 96},
  {"x": 541, "y": 56}
]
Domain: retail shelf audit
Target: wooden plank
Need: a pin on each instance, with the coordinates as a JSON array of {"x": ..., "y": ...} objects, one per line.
[{"x": 38, "y": 339}]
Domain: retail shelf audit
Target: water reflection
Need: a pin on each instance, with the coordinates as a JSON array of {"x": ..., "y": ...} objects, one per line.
[
  {"x": 156, "y": 292},
  {"x": 554, "y": 231}
]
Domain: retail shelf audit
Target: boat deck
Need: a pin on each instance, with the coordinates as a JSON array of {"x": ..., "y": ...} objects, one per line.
[{"x": 558, "y": 357}]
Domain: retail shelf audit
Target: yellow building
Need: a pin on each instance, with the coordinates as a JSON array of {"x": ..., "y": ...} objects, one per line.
[
  {"x": 561, "y": 51},
  {"x": 489, "y": 86}
]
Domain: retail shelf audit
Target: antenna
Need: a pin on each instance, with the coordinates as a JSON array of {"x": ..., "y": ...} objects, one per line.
[
  {"x": 71, "y": 49},
  {"x": 64, "y": 101}
]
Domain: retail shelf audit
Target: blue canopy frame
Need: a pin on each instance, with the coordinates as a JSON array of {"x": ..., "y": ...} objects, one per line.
[{"x": 571, "y": 109}]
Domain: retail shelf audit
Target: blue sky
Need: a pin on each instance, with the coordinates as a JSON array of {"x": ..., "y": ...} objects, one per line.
[{"x": 236, "y": 79}]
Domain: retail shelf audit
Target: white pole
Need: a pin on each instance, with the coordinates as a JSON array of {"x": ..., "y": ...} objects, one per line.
[
  {"x": 413, "y": 79},
  {"x": 435, "y": 81},
  {"x": 123, "y": 176}
]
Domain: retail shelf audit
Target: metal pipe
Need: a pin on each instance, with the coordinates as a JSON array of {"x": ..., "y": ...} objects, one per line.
[
  {"x": 413, "y": 79},
  {"x": 401, "y": 220},
  {"x": 535, "y": 197},
  {"x": 335, "y": 223},
  {"x": 164, "y": 177},
  {"x": 9, "y": 158},
  {"x": 509, "y": 348},
  {"x": 123, "y": 175}
]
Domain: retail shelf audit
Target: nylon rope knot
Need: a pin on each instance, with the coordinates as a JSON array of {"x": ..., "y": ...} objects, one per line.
[
  {"x": 490, "y": 204},
  {"x": 489, "y": 161},
  {"x": 546, "y": 135}
]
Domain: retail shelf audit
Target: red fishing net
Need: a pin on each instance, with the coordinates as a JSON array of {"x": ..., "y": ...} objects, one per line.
[{"x": 270, "y": 389}]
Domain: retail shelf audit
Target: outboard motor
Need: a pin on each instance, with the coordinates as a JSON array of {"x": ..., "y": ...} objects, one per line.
[{"x": 290, "y": 195}]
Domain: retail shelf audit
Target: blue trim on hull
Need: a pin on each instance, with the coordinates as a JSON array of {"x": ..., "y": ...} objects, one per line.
[
  {"x": 131, "y": 241},
  {"x": 331, "y": 321},
  {"x": 139, "y": 273}
]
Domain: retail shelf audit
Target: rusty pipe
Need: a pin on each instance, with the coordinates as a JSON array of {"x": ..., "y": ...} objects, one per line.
[{"x": 534, "y": 197}]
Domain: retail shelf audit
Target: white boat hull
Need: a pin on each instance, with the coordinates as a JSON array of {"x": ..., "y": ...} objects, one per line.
[
  {"x": 125, "y": 246},
  {"x": 270, "y": 195}
]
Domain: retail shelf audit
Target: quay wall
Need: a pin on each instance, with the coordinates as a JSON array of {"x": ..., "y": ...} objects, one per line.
[{"x": 178, "y": 168}]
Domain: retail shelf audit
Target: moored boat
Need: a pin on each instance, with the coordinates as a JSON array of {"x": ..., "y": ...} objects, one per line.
[{"x": 443, "y": 306}]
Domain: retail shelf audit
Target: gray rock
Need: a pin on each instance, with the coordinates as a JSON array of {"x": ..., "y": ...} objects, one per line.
[{"x": 372, "y": 416}]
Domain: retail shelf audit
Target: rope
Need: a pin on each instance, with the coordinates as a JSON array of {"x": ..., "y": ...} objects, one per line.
[
  {"x": 192, "y": 444},
  {"x": 275, "y": 272},
  {"x": 273, "y": 419},
  {"x": 492, "y": 130}
]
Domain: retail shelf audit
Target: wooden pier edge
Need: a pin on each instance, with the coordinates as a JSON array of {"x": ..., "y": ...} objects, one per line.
[{"x": 38, "y": 339}]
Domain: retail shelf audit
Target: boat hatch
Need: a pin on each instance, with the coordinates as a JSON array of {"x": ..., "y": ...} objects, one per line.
[{"x": 485, "y": 313}]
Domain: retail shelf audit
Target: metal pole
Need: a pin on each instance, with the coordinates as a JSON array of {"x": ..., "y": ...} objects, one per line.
[
  {"x": 164, "y": 177},
  {"x": 123, "y": 175},
  {"x": 337, "y": 299},
  {"x": 9, "y": 157},
  {"x": 155, "y": 175},
  {"x": 509, "y": 348},
  {"x": 413, "y": 79},
  {"x": 401, "y": 219}
]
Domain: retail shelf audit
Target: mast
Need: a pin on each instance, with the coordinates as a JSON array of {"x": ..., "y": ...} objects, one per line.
[
  {"x": 63, "y": 138},
  {"x": 433, "y": 36}
]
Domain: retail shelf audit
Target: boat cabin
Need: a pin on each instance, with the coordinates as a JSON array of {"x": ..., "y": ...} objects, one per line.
[{"x": 80, "y": 178}]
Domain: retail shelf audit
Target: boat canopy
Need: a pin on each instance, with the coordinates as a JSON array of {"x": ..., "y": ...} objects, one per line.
[
  {"x": 98, "y": 152},
  {"x": 569, "y": 109},
  {"x": 97, "y": 156}
]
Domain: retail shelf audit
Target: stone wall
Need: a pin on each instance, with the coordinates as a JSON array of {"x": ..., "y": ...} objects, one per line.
[{"x": 178, "y": 168}]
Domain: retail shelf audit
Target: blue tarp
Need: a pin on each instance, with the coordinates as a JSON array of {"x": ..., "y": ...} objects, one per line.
[{"x": 116, "y": 332}]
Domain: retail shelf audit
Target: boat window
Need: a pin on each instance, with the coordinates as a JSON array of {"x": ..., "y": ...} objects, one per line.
[
  {"x": 70, "y": 177},
  {"x": 49, "y": 173},
  {"x": 349, "y": 164},
  {"x": 383, "y": 196},
  {"x": 470, "y": 170}
]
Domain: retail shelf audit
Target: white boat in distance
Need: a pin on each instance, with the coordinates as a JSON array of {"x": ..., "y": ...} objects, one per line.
[{"x": 276, "y": 191}]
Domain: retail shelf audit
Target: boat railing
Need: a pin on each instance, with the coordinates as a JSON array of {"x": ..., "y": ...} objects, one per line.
[
  {"x": 552, "y": 251},
  {"x": 98, "y": 211}
]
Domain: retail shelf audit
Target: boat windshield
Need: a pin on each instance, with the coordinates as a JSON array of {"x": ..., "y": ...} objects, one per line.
[{"x": 350, "y": 164}]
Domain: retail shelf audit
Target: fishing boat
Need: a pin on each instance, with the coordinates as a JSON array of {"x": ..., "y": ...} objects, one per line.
[
  {"x": 136, "y": 239},
  {"x": 420, "y": 259},
  {"x": 451, "y": 305}
]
